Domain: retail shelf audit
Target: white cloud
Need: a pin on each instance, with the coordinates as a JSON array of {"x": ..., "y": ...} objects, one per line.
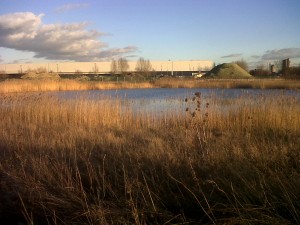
[
  {"x": 282, "y": 54},
  {"x": 1, "y": 60},
  {"x": 232, "y": 55},
  {"x": 21, "y": 20},
  {"x": 72, "y": 6},
  {"x": 25, "y": 31}
]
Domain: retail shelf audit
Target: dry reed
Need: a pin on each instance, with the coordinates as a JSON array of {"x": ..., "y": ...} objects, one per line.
[
  {"x": 96, "y": 161},
  {"x": 228, "y": 83},
  {"x": 13, "y": 86}
]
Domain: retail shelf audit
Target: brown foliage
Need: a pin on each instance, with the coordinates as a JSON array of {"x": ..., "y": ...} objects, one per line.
[{"x": 97, "y": 161}]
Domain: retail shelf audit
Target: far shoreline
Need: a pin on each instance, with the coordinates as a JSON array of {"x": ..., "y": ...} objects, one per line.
[{"x": 41, "y": 85}]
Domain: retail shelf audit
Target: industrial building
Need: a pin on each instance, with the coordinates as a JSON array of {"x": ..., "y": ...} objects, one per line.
[{"x": 172, "y": 68}]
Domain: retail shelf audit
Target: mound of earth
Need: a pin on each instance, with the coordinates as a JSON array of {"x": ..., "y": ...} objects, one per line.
[
  {"x": 228, "y": 71},
  {"x": 40, "y": 76}
]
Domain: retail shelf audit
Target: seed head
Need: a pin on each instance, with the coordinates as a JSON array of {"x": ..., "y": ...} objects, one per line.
[{"x": 198, "y": 94}]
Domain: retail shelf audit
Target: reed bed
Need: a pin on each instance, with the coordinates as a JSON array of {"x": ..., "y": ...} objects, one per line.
[
  {"x": 13, "y": 86},
  {"x": 97, "y": 161},
  {"x": 228, "y": 83}
]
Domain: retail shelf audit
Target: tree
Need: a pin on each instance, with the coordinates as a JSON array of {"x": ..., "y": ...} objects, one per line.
[
  {"x": 278, "y": 65},
  {"x": 120, "y": 66},
  {"x": 242, "y": 63},
  {"x": 143, "y": 67},
  {"x": 260, "y": 71},
  {"x": 114, "y": 67},
  {"x": 123, "y": 65}
]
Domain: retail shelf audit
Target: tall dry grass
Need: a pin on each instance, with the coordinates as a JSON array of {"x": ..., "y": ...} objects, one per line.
[
  {"x": 228, "y": 83},
  {"x": 97, "y": 161},
  {"x": 13, "y": 86}
]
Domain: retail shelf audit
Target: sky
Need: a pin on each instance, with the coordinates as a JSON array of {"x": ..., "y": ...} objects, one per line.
[{"x": 257, "y": 31}]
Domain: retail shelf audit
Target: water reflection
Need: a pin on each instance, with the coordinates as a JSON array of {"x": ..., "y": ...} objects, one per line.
[{"x": 164, "y": 100}]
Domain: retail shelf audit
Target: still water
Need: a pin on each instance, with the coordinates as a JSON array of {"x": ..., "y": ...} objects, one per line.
[{"x": 169, "y": 99}]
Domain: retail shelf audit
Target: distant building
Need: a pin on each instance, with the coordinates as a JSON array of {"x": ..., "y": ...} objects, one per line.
[
  {"x": 285, "y": 66},
  {"x": 170, "y": 68},
  {"x": 272, "y": 68}
]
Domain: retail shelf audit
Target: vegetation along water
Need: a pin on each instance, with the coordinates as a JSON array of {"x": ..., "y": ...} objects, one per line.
[{"x": 82, "y": 160}]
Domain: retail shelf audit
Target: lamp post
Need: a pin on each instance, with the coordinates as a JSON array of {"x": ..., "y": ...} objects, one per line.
[{"x": 172, "y": 67}]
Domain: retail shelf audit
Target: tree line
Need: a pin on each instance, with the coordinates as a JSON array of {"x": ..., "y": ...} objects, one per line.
[
  {"x": 276, "y": 68},
  {"x": 121, "y": 66}
]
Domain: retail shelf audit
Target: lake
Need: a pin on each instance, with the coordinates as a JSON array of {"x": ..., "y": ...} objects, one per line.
[{"x": 159, "y": 100}]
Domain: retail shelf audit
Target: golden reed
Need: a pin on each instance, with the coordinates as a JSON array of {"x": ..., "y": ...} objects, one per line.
[
  {"x": 98, "y": 161},
  {"x": 13, "y": 86}
]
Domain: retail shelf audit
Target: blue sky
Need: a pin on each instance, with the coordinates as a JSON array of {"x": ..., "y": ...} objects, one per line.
[{"x": 258, "y": 31}]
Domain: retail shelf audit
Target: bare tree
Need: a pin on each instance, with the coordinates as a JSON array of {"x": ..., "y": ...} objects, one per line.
[
  {"x": 120, "y": 66},
  {"x": 123, "y": 65},
  {"x": 261, "y": 70},
  {"x": 114, "y": 67},
  {"x": 143, "y": 67},
  {"x": 278, "y": 65},
  {"x": 242, "y": 63}
]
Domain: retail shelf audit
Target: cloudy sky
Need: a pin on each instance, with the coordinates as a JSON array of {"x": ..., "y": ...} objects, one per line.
[{"x": 97, "y": 30}]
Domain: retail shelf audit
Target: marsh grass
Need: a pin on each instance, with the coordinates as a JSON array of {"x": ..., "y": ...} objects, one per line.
[
  {"x": 15, "y": 85},
  {"x": 228, "y": 83},
  {"x": 95, "y": 161}
]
